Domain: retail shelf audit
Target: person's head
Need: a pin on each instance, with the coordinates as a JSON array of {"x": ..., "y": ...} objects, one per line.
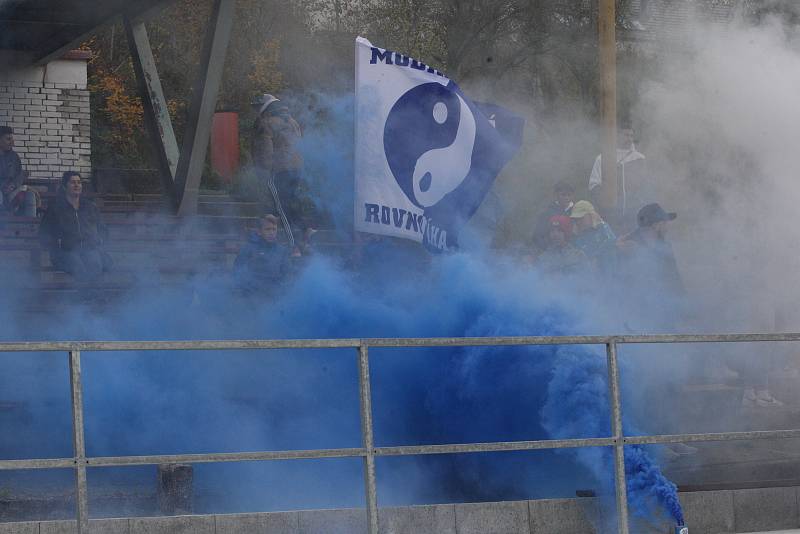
[
  {"x": 564, "y": 194},
  {"x": 261, "y": 102},
  {"x": 71, "y": 183},
  {"x": 268, "y": 228},
  {"x": 652, "y": 220},
  {"x": 560, "y": 230},
  {"x": 625, "y": 136},
  {"x": 6, "y": 138},
  {"x": 584, "y": 216}
]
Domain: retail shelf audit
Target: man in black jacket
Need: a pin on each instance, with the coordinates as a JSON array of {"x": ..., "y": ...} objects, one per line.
[
  {"x": 73, "y": 232},
  {"x": 14, "y": 196}
]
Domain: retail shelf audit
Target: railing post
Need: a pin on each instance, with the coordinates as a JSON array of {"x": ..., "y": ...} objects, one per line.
[
  {"x": 616, "y": 432},
  {"x": 367, "y": 438},
  {"x": 78, "y": 444}
]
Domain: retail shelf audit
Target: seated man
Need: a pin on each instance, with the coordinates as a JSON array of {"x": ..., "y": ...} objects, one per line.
[
  {"x": 73, "y": 232},
  {"x": 263, "y": 263},
  {"x": 14, "y": 196}
]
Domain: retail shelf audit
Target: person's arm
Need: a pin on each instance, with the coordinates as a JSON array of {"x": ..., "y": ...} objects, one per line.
[
  {"x": 296, "y": 127},
  {"x": 19, "y": 173},
  {"x": 15, "y": 177}
]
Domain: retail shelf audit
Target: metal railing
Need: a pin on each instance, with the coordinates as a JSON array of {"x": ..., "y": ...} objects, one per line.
[{"x": 368, "y": 451}]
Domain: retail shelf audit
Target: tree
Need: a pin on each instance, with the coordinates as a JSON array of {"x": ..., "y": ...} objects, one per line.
[{"x": 253, "y": 66}]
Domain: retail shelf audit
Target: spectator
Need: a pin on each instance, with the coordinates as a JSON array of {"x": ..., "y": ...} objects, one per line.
[
  {"x": 561, "y": 256},
  {"x": 649, "y": 260},
  {"x": 263, "y": 263},
  {"x": 73, "y": 232},
  {"x": 564, "y": 197},
  {"x": 594, "y": 237},
  {"x": 15, "y": 197},
  {"x": 632, "y": 184},
  {"x": 280, "y": 165}
]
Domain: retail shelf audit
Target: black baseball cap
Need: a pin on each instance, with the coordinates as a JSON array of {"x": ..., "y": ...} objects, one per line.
[{"x": 653, "y": 213}]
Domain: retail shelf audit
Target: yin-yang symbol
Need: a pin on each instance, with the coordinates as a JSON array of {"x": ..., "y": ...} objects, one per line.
[{"x": 429, "y": 138}]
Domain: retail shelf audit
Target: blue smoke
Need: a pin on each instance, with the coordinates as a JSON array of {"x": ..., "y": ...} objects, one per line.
[
  {"x": 190, "y": 402},
  {"x": 160, "y": 403},
  {"x": 577, "y": 407}
]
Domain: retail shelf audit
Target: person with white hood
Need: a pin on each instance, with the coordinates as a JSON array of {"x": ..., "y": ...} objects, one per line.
[
  {"x": 280, "y": 165},
  {"x": 633, "y": 187}
]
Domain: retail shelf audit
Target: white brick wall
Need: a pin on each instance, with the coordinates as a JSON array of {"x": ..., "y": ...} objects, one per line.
[{"x": 51, "y": 126}]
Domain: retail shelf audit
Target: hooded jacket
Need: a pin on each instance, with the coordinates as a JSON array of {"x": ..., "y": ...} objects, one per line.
[
  {"x": 11, "y": 169},
  {"x": 67, "y": 229},
  {"x": 274, "y": 141}
]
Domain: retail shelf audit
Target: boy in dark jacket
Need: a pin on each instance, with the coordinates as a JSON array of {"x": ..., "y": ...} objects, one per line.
[
  {"x": 263, "y": 263},
  {"x": 73, "y": 232}
]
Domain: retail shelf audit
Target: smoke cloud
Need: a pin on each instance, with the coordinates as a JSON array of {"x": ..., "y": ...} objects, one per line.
[{"x": 716, "y": 124}]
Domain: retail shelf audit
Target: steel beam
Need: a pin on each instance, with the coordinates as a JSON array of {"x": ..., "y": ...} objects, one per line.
[
  {"x": 268, "y": 344},
  {"x": 401, "y": 450},
  {"x": 201, "y": 111},
  {"x": 156, "y": 113},
  {"x": 365, "y": 396},
  {"x": 608, "y": 103},
  {"x": 78, "y": 443},
  {"x": 615, "y": 405}
]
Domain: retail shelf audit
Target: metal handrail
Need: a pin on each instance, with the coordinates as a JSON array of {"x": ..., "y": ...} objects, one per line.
[{"x": 80, "y": 462}]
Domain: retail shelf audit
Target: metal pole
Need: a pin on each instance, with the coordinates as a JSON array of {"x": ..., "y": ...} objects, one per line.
[
  {"x": 616, "y": 433},
  {"x": 367, "y": 439},
  {"x": 78, "y": 444},
  {"x": 201, "y": 112},
  {"x": 606, "y": 23},
  {"x": 154, "y": 104}
]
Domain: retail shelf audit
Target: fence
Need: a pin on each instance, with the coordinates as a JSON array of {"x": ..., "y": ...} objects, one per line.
[{"x": 80, "y": 462}]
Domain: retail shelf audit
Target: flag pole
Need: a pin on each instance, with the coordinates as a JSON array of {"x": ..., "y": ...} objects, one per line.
[{"x": 608, "y": 103}]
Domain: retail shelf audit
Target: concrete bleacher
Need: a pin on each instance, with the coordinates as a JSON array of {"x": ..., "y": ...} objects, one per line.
[{"x": 144, "y": 240}]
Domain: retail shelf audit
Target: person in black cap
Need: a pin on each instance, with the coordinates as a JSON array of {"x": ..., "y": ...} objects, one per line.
[{"x": 648, "y": 256}]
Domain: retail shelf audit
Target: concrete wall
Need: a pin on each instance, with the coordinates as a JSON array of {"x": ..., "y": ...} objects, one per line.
[
  {"x": 48, "y": 108},
  {"x": 709, "y": 512}
]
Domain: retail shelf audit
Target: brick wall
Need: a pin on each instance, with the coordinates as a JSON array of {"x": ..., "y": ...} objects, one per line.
[{"x": 51, "y": 125}]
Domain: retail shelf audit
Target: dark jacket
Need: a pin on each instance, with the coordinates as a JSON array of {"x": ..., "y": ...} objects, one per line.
[
  {"x": 11, "y": 172},
  {"x": 650, "y": 266},
  {"x": 67, "y": 229},
  {"x": 261, "y": 264}
]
